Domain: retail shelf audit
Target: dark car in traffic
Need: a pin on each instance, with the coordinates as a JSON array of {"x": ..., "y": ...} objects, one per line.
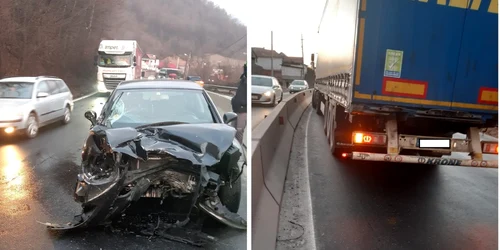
[{"x": 160, "y": 140}]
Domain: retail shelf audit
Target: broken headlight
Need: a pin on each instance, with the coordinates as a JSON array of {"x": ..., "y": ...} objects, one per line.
[{"x": 101, "y": 169}]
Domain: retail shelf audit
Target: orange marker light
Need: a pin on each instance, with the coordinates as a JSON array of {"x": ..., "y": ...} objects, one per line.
[
  {"x": 358, "y": 137},
  {"x": 9, "y": 130}
]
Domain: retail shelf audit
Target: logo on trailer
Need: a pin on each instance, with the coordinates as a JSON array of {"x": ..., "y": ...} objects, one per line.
[{"x": 438, "y": 161}]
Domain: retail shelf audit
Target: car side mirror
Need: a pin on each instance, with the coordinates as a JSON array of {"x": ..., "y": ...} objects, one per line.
[
  {"x": 229, "y": 117},
  {"x": 135, "y": 64},
  {"x": 276, "y": 87},
  {"x": 42, "y": 95},
  {"x": 91, "y": 116}
]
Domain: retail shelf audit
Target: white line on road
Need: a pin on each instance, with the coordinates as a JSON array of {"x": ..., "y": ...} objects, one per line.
[
  {"x": 85, "y": 96},
  {"x": 225, "y": 96},
  {"x": 308, "y": 186}
]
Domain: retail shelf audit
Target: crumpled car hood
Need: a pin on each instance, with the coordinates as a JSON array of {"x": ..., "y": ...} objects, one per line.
[{"x": 202, "y": 144}]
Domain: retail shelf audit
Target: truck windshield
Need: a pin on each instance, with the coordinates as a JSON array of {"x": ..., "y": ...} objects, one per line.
[
  {"x": 115, "y": 60},
  {"x": 16, "y": 90},
  {"x": 262, "y": 81}
]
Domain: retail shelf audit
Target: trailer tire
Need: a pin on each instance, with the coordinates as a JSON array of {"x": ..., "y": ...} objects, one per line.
[
  {"x": 313, "y": 101},
  {"x": 319, "y": 98}
]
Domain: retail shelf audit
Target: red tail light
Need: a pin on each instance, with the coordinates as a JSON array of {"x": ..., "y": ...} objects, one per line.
[{"x": 490, "y": 147}]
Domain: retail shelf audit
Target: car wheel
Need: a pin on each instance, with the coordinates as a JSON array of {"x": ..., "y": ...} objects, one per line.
[
  {"x": 67, "y": 115},
  {"x": 230, "y": 197},
  {"x": 281, "y": 99},
  {"x": 32, "y": 126}
]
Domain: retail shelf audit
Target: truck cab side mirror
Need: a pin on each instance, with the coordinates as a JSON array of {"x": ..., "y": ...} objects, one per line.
[
  {"x": 135, "y": 59},
  {"x": 95, "y": 60}
]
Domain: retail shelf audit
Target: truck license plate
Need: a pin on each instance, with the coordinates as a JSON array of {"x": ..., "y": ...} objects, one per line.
[{"x": 434, "y": 143}]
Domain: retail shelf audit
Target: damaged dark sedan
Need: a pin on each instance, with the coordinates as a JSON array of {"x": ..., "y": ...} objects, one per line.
[{"x": 163, "y": 142}]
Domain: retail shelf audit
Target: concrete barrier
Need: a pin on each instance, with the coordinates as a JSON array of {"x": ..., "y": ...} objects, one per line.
[{"x": 271, "y": 145}]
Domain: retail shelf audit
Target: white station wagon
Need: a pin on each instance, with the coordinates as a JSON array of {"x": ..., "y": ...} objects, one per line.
[{"x": 28, "y": 103}]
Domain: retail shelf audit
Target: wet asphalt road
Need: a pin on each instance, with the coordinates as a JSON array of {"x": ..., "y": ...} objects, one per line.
[
  {"x": 36, "y": 183},
  {"x": 259, "y": 111},
  {"x": 368, "y": 205}
]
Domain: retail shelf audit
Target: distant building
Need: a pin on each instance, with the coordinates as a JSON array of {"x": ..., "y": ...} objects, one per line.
[
  {"x": 262, "y": 58},
  {"x": 149, "y": 62},
  {"x": 293, "y": 68}
]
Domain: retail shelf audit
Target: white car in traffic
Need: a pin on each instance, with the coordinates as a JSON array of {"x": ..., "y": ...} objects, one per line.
[
  {"x": 266, "y": 90},
  {"x": 28, "y": 103}
]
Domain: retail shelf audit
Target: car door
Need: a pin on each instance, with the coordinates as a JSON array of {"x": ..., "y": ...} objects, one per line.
[
  {"x": 43, "y": 105},
  {"x": 61, "y": 94}
]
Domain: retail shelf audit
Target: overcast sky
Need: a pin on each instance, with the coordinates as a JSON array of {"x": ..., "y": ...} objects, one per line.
[
  {"x": 287, "y": 19},
  {"x": 235, "y": 8}
]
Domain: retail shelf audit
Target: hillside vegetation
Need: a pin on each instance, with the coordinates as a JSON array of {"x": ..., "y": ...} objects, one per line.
[{"x": 60, "y": 37}]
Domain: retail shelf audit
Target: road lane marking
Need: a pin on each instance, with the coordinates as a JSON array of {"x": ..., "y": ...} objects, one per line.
[
  {"x": 308, "y": 185},
  {"x": 224, "y": 96},
  {"x": 85, "y": 96}
]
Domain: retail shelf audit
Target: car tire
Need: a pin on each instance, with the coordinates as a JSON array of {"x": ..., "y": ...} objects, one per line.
[
  {"x": 230, "y": 198},
  {"x": 32, "y": 126},
  {"x": 67, "y": 115},
  {"x": 281, "y": 98}
]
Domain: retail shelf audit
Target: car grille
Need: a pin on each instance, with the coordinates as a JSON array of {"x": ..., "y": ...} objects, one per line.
[
  {"x": 256, "y": 96},
  {"x": 111, "y": 83}
]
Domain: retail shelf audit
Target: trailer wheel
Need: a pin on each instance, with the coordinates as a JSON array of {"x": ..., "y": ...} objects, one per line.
[
  {"x": 326, "y": 118},
  {"x": 319, "y": 99}
]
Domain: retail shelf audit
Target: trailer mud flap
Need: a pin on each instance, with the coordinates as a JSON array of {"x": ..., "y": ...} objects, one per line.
[{"x": 363, "y": 156}]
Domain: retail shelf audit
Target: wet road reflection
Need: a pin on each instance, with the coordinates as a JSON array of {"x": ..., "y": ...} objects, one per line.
[{"x": 13, "y": 173}]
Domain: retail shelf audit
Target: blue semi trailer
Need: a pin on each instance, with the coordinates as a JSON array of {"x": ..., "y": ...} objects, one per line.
[{"x": 395, "y": 79}]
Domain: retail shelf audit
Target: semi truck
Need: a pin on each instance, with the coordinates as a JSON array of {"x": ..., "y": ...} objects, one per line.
[
  {"x": 397, "y": 79},
  {"x": 117, "y": 61}
]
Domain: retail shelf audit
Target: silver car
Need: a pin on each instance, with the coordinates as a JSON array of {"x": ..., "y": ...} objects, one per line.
[
  {"x": 297, "y": 86},
  {"x": 266, "y": 90},
  {"x": 28, "y": 103}
]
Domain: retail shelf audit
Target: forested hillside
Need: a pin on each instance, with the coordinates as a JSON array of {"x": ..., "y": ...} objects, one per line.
[{"x": 60, "y": 37}]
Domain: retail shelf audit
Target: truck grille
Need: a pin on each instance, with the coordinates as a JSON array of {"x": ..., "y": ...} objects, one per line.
[{"x": 111, "y": 83}]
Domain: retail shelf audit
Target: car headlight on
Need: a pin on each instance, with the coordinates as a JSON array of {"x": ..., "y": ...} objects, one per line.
[{"x": 268, "y": 93}]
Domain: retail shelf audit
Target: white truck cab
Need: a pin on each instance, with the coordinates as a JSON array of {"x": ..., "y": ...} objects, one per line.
[{"x": 117, "y": 61}]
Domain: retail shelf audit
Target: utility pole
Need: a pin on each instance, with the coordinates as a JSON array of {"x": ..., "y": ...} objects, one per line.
[
  {"x": 272, "y": 64},
  {"x": 186, "y": 70},
  {"x": 302, "y": 64}
]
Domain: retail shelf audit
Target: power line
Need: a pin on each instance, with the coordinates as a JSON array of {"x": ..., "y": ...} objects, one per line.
[{"x": 220, "y": 52}]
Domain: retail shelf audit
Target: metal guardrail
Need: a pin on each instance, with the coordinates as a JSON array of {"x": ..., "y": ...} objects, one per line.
[{"x": 226, "y": 90}]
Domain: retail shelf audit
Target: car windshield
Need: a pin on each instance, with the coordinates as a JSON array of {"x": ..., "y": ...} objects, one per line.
[
  {"x": 262, "y": 81},
  {"x": 195, "y": 78},
  {"x": 298, "y": 83},
  {"x": 16, "y": 90},
  {"x": 115, "y": 60},
  {"x": 137, "y": 107}
]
